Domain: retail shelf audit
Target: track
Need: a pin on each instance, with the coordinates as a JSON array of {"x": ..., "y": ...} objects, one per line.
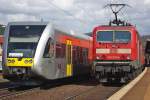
[
  {"x": 98, "y": 92},
  {"x": 81, "y": 93},
  {"x": 83, "y": 90},
  {"x": 10, "y": 92}
]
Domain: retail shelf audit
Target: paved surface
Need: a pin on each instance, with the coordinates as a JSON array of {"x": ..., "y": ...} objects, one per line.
[
  {"x": 141, "y": 91},
  {"x": 122, "y": 92}
]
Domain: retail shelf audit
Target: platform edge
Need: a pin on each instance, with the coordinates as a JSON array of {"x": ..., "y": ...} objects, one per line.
[{"x": 119, "y": 94}]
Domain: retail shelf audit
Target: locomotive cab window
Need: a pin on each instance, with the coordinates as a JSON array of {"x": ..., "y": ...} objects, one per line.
[
  {"x": 101, "y": 36},
  {"x": 113, "y": 36},
  {"x": 122, "y": 36}
]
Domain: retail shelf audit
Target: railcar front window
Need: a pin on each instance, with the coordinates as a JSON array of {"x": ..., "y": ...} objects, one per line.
[
  {"x": 23, "y": 39},
  {"x": 122, "y": 36},
  {"x": 105, "y": 36},
  {"x": 26, "y": 30},
  {"x": 26, "y": 49}
]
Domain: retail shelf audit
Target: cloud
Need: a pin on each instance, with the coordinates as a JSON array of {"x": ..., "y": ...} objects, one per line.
[
  {"x": 80, "y": 15},
  {"x": 147, "y": 2},
  {"x": 64, "y": 4},
  {"x": 21, "y": 17}
]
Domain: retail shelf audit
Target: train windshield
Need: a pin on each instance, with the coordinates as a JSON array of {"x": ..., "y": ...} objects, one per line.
[
  {"x": 23, "y": 40},
  {"x": 26, "y": 50},
  {"x": 113, "y": 36},
  {"x": 105, "y": 36},
  {"x": 122, "y": 36}
]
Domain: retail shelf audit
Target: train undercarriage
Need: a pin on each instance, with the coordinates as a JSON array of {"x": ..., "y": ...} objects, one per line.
[
  {"x": 121, "y": 72},
  {"x": 22, "y": 76}
]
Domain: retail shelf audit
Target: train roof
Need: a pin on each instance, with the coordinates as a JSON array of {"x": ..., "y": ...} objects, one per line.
[
  {"x": 28, "y": 23},
  {"x": 65, "y": 31},
  {"x": 115, "y": 27}
]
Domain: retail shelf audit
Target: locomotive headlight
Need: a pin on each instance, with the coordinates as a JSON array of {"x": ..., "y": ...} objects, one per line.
[
  {"x": 97, "y": 57},
  {"x": 128, "y": 57}
]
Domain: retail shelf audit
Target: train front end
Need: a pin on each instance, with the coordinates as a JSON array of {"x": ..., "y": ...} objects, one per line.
[
  {"x": 20, "y": 43},
  {"x": 113, "y": 53}
]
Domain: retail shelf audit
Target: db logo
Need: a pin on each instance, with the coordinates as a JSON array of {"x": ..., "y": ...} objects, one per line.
[{"x": 113, "y": 51}]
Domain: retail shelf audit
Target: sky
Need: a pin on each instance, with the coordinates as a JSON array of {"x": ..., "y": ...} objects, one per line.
[{"x": 78, "y": 15}]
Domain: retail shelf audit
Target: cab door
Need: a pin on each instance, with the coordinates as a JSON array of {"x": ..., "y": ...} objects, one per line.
[{"x": 69, "y": 71}]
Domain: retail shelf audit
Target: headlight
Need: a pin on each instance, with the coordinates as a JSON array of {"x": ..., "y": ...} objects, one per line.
[
  {"x": 11, "y": 61},
  {"x": 128, "y": 57},
  {"x": 28, "y": 61},
  {"x": 97, "y": 57}
]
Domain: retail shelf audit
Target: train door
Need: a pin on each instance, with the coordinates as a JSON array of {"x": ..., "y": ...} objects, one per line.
[{"x": 69, "y": 58}]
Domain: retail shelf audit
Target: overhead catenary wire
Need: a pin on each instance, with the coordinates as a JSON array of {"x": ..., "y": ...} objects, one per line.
[
  {"x": 66, "y": 12},
  {"x": 126, "y": 17},
  {"x": 83, "y": 9},
  {"x": 86, "y": 12},
  {"x": 123, "y": 2}
]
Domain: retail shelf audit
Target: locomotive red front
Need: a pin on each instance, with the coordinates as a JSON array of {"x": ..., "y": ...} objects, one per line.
[{"x": 117, "y": 52}]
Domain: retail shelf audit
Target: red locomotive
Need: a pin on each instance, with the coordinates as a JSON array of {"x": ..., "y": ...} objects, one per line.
[{"x": 117, "y": 52}]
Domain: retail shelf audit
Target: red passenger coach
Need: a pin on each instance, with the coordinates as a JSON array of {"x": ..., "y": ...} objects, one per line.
[
  {"x": 117, "y": 52},
  {"x": 80, "y": 52}
]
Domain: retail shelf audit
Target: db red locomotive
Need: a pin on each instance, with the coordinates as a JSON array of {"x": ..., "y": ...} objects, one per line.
[{"x": 117, "y": 52}]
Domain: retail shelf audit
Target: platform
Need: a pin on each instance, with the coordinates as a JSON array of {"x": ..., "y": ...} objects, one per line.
[{"x": 141, "y": 91}]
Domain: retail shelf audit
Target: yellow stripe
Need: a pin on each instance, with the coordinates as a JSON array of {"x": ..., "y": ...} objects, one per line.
[
  {"x": 69, "y": 66},
  {"x": 69, "y": 69},
  {"x": 71, "y": 59},
  {"x": 24, "y": 62},
  {"x": 68, "y": 42}
]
